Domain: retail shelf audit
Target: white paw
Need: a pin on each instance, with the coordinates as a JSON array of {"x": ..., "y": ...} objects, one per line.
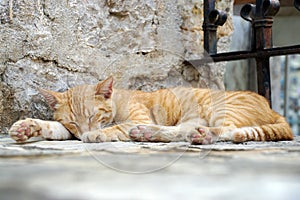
[
  {"x": 97, "y": 137},
  {"x": 202, "y": 136},
  {"x": 22, "y": 130},
  {"x": 141, "y": 133}
]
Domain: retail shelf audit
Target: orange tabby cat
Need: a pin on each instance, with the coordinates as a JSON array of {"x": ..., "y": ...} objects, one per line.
[{"x": 99, "y": 113}]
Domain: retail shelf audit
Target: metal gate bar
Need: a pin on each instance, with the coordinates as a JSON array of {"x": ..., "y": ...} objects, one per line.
[
  {"x": 239, "y": 55},
  {"x": 260, "y": 16}
]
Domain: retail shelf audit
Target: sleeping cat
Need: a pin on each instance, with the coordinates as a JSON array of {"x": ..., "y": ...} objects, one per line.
[{"x": 99, "y": 113}]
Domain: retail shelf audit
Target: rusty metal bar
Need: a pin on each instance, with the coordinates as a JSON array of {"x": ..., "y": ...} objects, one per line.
[
  {"x": 210, "y": 30},
  {"x": 262, "y": 21},
  {"x": 240, "y": 55},
  {"x": 212, "y": 19}
]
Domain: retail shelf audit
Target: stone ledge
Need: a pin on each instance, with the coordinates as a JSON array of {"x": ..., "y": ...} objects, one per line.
[
  {"x": 9, "y": 148},
  {"x": 73, "y": 170}
]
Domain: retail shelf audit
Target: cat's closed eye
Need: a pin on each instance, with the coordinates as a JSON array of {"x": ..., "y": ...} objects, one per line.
[{"x": 91, "y": 118}]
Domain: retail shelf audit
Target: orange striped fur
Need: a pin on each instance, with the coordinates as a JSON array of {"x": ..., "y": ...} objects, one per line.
[{"x": 99, "y": 113}]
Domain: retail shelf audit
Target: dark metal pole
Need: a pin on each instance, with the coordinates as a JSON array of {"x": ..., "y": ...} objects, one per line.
[
  {"x": 261, "y": 16},
  {"x": 212, "y": 19},
  {"x": 239, "y": 55},
  {"x": 263, "y": 40},
  {"x": 210, "y": 30}
]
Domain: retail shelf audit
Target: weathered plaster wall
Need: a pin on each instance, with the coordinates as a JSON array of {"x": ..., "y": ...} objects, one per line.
[{"x": 56, "y": 44}]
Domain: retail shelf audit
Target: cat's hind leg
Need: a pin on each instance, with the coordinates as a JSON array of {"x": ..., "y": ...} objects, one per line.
[
  {"x": 202, "y": 136},
  {"x": 212, "y": 134},
  {"x": 183, "y": 132},
  {"x": 22, "y": 130},
  {"x": 155, "y": 133},
  {"x": 158, "y": 133}
]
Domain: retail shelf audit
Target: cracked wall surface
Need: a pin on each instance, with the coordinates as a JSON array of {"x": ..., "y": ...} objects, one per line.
[{"x": 57, "y": 44}]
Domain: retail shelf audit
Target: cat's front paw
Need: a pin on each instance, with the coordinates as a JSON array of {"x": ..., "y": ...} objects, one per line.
[
  {"x": 22, "y": 130},
  {"x": 97, "y": 137},
  {"x": 202, "y": 136}
]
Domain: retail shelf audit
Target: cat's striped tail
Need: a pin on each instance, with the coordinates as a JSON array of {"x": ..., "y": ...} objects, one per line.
[{"x": 280, "y": 130}]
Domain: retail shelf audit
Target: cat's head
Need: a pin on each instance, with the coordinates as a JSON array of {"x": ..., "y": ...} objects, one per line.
[{"x": 82, "y": 108}]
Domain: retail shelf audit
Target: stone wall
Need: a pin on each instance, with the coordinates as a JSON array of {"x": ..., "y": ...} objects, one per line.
[{"x": 56, "y": 44}]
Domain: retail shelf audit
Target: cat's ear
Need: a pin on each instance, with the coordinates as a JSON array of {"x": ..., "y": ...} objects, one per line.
[
  {"x": 105, "y": 87},
  {"x": 52, "y": 98}
]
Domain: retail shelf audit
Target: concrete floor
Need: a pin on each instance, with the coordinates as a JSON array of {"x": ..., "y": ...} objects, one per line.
[{"x": 73, "y": 170}]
